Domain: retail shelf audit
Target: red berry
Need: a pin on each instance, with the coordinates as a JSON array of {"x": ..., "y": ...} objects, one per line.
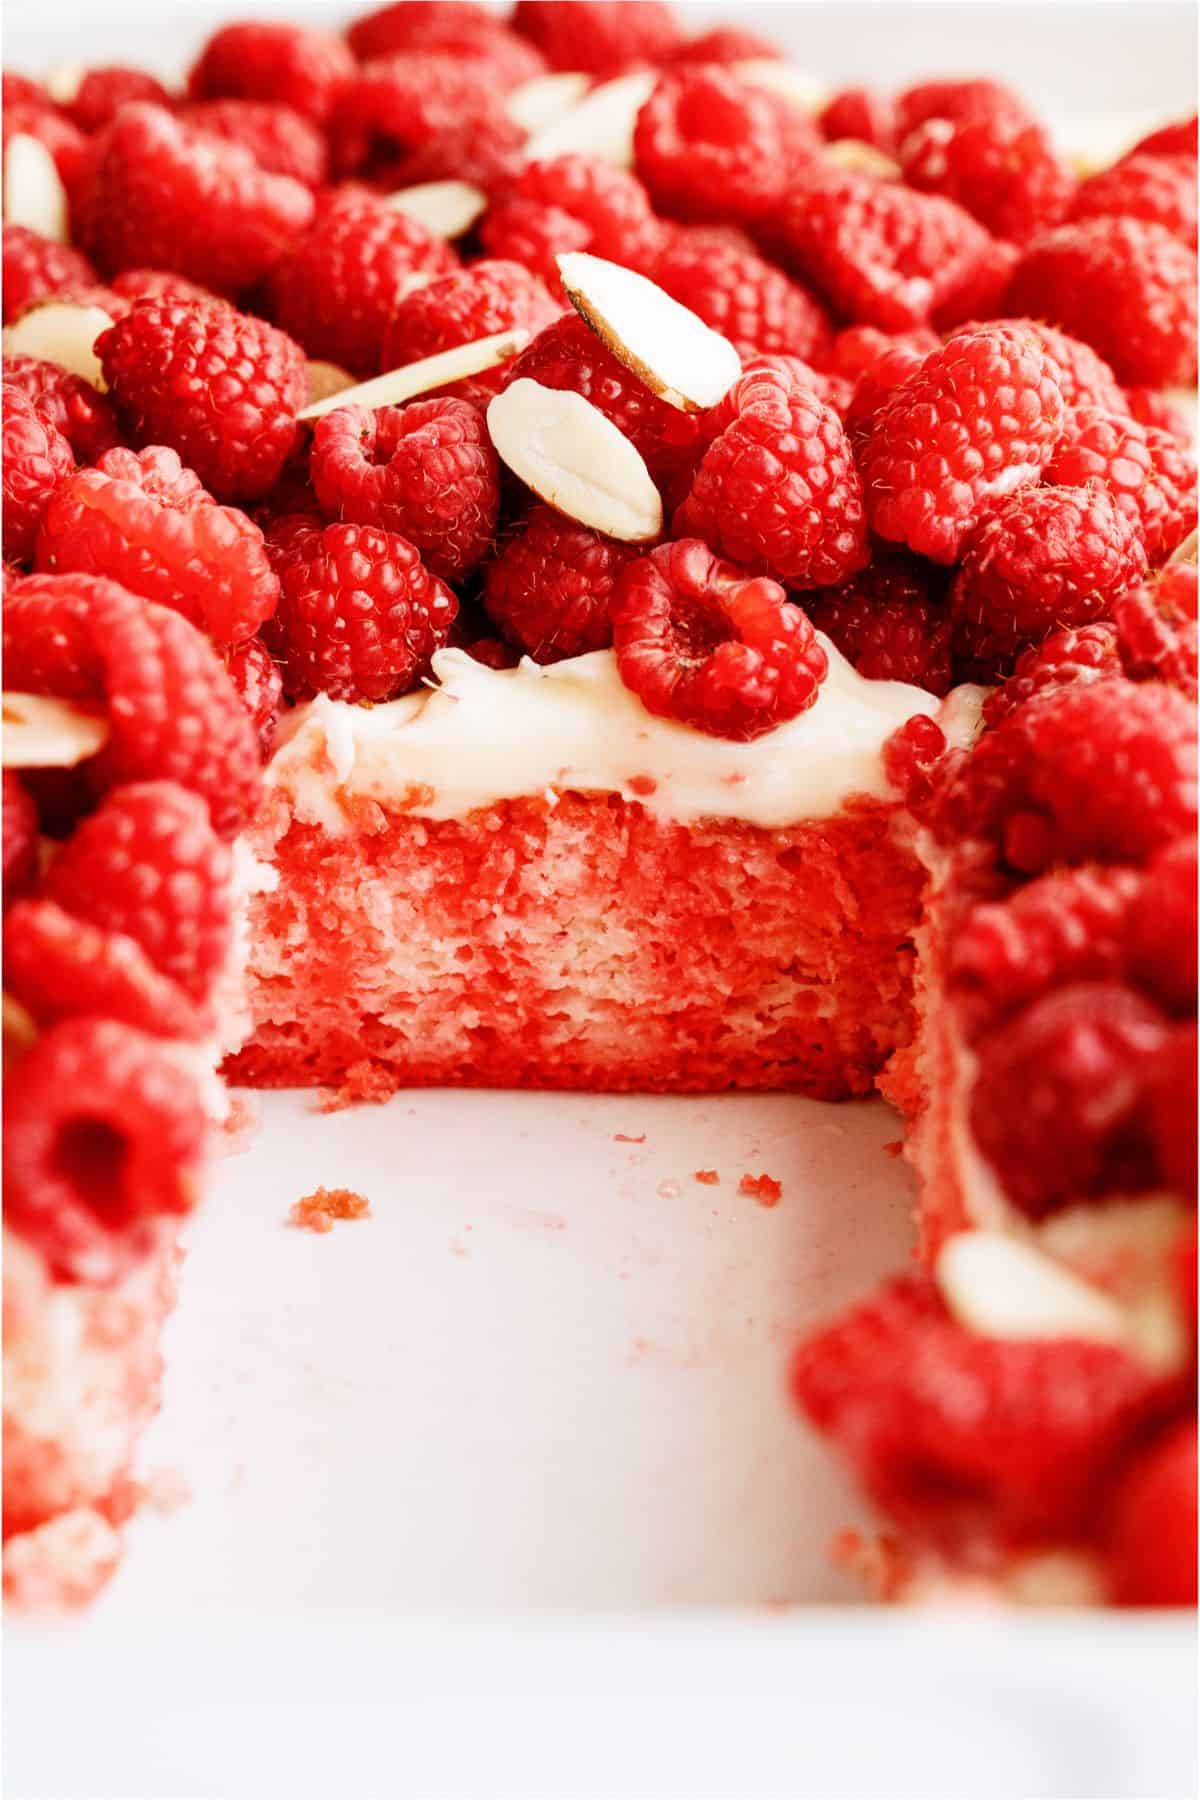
[
  {"x": 159, "y": 284},
  {"x": 601, "y": 36},
  {"x": 67, "y": 145},
  {"x": 860, "y": 113},
  {"x": 1153, "y": 1531},
  {"x": 1002, "y": 170},
  {"x": 457, "y": 309},
  {"x": 1157, "y": 642},
  {"x": 37, "y": 459},
  {"x": 104, "y": 91},
  {"x": 483, "y": 148},
  {"x": 85, "y": 417},
  {"x": 699, "y": 641},
  {"x": 876, "y": 385},
  {"x": 743, "y": 296},
  {"x": 426, "y": 470},
  {"x": 1124, "y": 287},
  {"x": 913, "y": 760},
  {"x": 59, "y": 966},
  {"x": 725, "y": 44},
  {"x": 279, "y": 139},
  {"x": 103, "y": 1135},
  {"x": 259, "y": 685},
  {"x": 550, "y": 586},
  {"x": 1162, "y": 928},
  {"x": 448, "y": 28},
  {"x": 359, "y": 614},
  {"x": 888, "y": 621},
  {"x": 1062, "y": 658},
  {"x": 20, "y": 838},
  {"x": 145, "y": 521},
  {"x": 220, "y": 387},
  {"x": 980, "y": 418},
  {"x": 954, "y": 100},
  {"x": 1150, "y": 479},
  {"x": 606, "y": 210},
  {"x": 1084, "y": 377},
  {"x": 1178, "y": 139},
  {"x": 1158, "y": 189},
  {"x": 293, "y": 65},
  {"x": 399, "y": 105},
  {"x": 858, "y": 348},
  {"x": 37, "y": 269},
  {"x": 1152, "y": 407},
  {"x": 1172, "y": 1092}
]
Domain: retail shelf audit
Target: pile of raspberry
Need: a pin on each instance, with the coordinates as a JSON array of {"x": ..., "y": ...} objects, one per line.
[{"x": 951, "y": 453}]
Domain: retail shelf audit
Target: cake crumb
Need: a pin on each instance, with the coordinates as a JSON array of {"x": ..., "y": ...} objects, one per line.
[
  {"x": 318, "y": 1210},
  {"x": 622, "y": 1137},
  {"x": 763, "y": 1188},
  {"x": 707, "y": 1177}
]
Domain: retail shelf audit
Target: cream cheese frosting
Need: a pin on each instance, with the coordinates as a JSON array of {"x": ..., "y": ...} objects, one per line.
[{"x": 476, "y": 736}]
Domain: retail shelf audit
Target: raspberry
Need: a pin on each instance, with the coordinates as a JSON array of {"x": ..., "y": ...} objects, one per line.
[
  {"x": 1084, "y": 377},
  {"x": 172, "y": 712},
  {"x": 788, "y": 371},
  {"x": 858, "y": 348},
  {"x": 742, "y": 296},
  {"x": 145, "y": 521},
  {"x": 36, "y": 458},
  {"x": 1124, "y": 287},
  {"x": 698, "y": 641},
  {"x": 860, "y": 113},
  {"x": 1003, "y": 170},
  {"x": 84, "y": 416},
  {"x": 606, "y": 212},
  {"x": 220, "y": 387},
  {"x": 181, "y": 199},
  {"x": 292, "y": 65},
  {"x": 955, "y": 100},
  {"x": 58, "y": 966},
  {"x": 1175, "y": 590},
  {"x": 550, "y": 586},
  {"x": 1150, "y": 407},
  {"x": 1153, "y": 1529},
  {"x": 980, "y": 418},
  {"x": 953, "y": 1434},
  {"x": 1162, "y": 928},
  {"x": 601, "y": 36},
  {"x": 36, "y": 269},
  {"x": 359, "y": 614},
  {"x": 483, "y": 148},
  {"x": 1178, "y": 139},
  {"x": 1150, "y": 479},
  {"x": 338, "y": 290},
  {"x": 1062, "y": 658},
  {"x": 400, "y": 104},
  {"x": 1158, "y": 189},
  {"x": 104, "y": 91},
  {"x": 1172, "y": 1085},
  {"x": 709, "y": 146},
  {"x": 426, "y": 470},
  {"x": 876, "y": 385},
  {"x": 459, "y": 308},
  {"x": 259, "y": 686},
  {"x": 913, "y": 760},
  {"x": 1044, "y": 558},
  {"x": 103, "y": 1135},
  {"x": 725, "y": 44},
  {"x": 887, "y": 621},
  {"x": 1065, "y": 927},
  {"x": 1155, "y": 643},
  {"x": 20, "y": 838},
  {"x": 460, "y": 30},
  {"x": 1058, "y": 1101},
  {"x": 883, "y": 255},
  {"x": 66, "y": 143},
  {"x": 280, "y": 140}
]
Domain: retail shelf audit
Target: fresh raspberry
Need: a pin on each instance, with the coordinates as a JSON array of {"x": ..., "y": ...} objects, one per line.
[
  {"x": 1150, "y": 479},
  {"x": 525, "y": 232},
  {"x": 1065, "y": 927},
  {"x": 913, "y": 759},
  {"x": 66, "y": 143},
  {"x": 145, "y": 521},
  {"x": 23, "y": 90},
  {"x": 37, "y": 269},
  {"x": 570, "y": 356},
  {"x": 790, "y": 371},
  {"x": 860, "y": 113},
  {"x": 744, "y": 297},
  {"x": 698, "y": 641},
  {"x": 104, "y": 91},
  {"x": 1158, "y": 189},
  {"x": 1044, "y": 558},
  {"x": 219, "y": 386},
  {"x": 160, "y": 284},
  {"x": 876, "y": 385},
  {"x": 601, "y": 36},
  {"x": 1178, "y": 139},
  {"x": 883, "y": 255},
  {"x": 103, "y": 1135},
  {"x": 550, "y": 587},
  {"x": 426, "y": 470},
  {"x": 980, "y": 418},
  {"x": 397, "y": 105},
  {"x": 456, "y": 29},
  {"x": 608, "y": 211},
  {"x": 181, "y": 199},
  {"x": 84, "y": 416},
  {"x": 955, "y": 1435},
  {"x": 172, "y": 712},
  {"x": 359, "y": 614},
  {"x": 1175, "y": 590},
  {"x": 1084, "y": 377},
  {"x": 1126, "y": 288},
  {"x": 1172, "y": 1085},
  {"x": 1156, "y": 643},
  {"x": 1149, "y": 406},
  {"x": 955, "y": 100},
  {"x": 887, "y": 621},
  {"x": 858, "y": 348},
  {"x": 725, "y": 44},
  {"x": 338, "y": 290},
  {"x": 1162, "y": 928},
  {"x": 280, "y": 140},
  {"x": 1153, "y": 1529},
  {"x": 59, "y": 966},
  {"x": 483, "y": 148},
  {"x": 292, "y": 65},
  {"x": 1002, "y": 170},
  {"x": 1061, "y": 659},
  {"x": 37, "y": 458},
  {"x": 255, "y": 675},
  {"x": 710, "y": 146},
  {"x": 459, "y": 308},
  {"x": 20, "y": 839}
]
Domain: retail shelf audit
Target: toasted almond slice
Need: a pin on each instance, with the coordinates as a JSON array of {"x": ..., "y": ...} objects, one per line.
[
  {"x": 601, "y": 124},
  {"x": 806, "y": 93},
  {"x": 414, "y": 378},
  {"x": 34, "y": 194},
  {"x": 326, "y": 378},
  {"x": 61, "y": 331},
  {"x": 1003, "y": 1288},
  {"x": 576, "y": 460},
  {"x": 63, "y": 81},
  {"x": 40, "y": 733},
  {"x": 861, "y": 158},
  {"x": 539, "y": 102},
  {"x": 667, "y": 347},
  {"x": 446, "y": 208}
]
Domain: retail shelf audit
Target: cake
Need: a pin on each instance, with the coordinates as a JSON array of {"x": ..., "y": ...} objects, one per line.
[{"x": 540, "y": 592}]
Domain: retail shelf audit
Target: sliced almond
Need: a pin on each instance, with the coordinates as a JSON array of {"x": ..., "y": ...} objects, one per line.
[
  {"x": 601, "y": 124},
  {"x": 326, "y": 378},
  {"x": 40, "y": 733},
  {"x": 1003, "y": 1288},
  {"x": 861, "y": 158},
  {"x": 446, "y": 208},
  {"x": 34, "y": 194},
  {"x": 673, "y": 352},
  {"x": 576, "y": 460},
  {"x": 539, "y": 102},
  {"x": 63, "y": 332},
  {"x": 804, "y": 91},
  {"x": 63, "y": 82},
  {"x": 430, "y": 372}
]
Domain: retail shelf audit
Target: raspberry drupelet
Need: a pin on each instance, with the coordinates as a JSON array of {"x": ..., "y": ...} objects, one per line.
[
  {"x": 550, "y": 586},
  {"x": 86, "y": 417}
]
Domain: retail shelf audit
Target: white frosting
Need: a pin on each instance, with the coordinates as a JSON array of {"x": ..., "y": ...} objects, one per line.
[{"x": 483, "y": 735}]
